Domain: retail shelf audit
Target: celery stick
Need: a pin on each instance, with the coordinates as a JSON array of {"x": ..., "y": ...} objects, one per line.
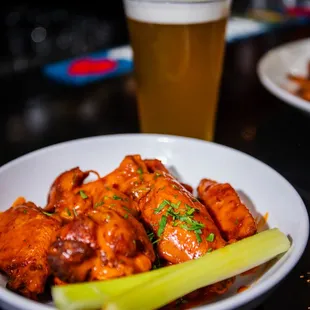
[
  {"x": 93, "y": 295},
  {"x": 217, "y": 266}
]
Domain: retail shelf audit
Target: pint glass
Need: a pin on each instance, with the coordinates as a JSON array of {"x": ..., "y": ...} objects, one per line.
[{"x": 178, "y": 49}]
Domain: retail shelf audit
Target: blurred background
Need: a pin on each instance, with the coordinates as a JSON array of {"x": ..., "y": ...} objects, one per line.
[
  {"x": 40, "y": 109},
  {"x": 33, "y": 35}
]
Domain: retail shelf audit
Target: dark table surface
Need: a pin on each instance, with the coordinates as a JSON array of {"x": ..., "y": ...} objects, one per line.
[{"x": 37, "y": 112}]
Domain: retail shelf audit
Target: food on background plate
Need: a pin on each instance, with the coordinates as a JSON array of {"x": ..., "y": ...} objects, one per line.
[
  {"x": 136, "y": 219},
  {"x": 301, "y": 84}
]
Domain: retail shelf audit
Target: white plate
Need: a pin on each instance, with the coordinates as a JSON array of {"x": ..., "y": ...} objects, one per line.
[
  {"x": 277, "y": 63},
  {"x": 261, "y": 187}
]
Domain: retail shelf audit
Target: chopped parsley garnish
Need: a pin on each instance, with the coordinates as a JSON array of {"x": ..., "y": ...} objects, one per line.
[
  {"x": 25, "y": 211},
  {"x": 105, "y": 197},
  {"x": 190, "y": 210},
  {"x": 198, "y": 233},
  {"x": 83, "y": 195},
  {"x": 193, "y": 225},
  {"x": 126, "y": 209},
  {"x": 152, "y": 238},
  {"x": 140, "y": 171},
  {"x": 47, "y": 214},
  {"x": 173, "y": 214},
  {"x": 157, "y": 175},
  {"x": 98, "y": 204},
  {"x": 68, "y": 211},
  {"x": 74, "y": 212},
  {"x": 161, "y": 206},
  {"x": 162, "y": 225},
  {"x": 209, "y": 250},
  {"x": 175, "y": 205},
  {"x": 161, "y": 188},
  {"x": 211, "y": 237},
  {"x": 175, "y": 186},
  {"x": 182, "y": 219},
  {"x": 194, "y": 200},
  {"x": 236, "y": 222},
  {"x": 115, "y": 197},
  {"x": 126, "y": 216}
]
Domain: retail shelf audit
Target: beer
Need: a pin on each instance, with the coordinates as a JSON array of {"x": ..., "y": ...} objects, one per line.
[{"x": 178, "y": 51}]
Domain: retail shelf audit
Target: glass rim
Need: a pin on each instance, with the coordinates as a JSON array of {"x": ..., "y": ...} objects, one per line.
[{"x": 177, "y": 1}]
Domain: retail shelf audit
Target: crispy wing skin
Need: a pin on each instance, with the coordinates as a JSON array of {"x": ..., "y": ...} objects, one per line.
[
  {"x": 129, "y": 174},
  {"x": 25, "y": 236},
  {"x": 154, "y": 165},
  {"x": 69, "y": 197},
  {"x": 229, "y": 213},
  {"x": 64, "y": 189},
  {"x": 180, "y": 221},
  {"x": 107, "y": 242},
  {"x": 188, "y": 188}
]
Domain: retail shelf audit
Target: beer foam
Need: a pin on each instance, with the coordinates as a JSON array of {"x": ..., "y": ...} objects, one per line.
[{"x": 176, "y": 12}]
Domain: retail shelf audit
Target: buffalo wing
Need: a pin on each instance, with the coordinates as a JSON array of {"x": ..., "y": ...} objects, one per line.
[
  {"x": 105, "y": 241},
  {"x": 25, "y": 236},
  {"x": 230, "y": 215}
]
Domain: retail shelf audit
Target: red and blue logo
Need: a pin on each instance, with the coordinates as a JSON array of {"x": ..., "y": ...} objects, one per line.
[{"x": 91, "y": 68}]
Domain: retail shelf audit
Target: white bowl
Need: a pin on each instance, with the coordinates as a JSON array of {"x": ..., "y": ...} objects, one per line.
[
  {"x": 275, "y": 65},
  {"x": 263, "y": 189}
]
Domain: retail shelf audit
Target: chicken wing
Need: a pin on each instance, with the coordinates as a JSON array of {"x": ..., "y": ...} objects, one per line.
[
  {"x": 107, "y": 242},
  {"x": 182, "y": 224},
  {"x": 230, "y": 215},
  {"x": 69, "y": 197},
  {"x": 25, "y": 236}
]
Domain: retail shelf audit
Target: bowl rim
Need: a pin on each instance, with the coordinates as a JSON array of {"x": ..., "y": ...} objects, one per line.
[
  {"x": 273, "y": 87},
  {"x": 231, "y": 302}
]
